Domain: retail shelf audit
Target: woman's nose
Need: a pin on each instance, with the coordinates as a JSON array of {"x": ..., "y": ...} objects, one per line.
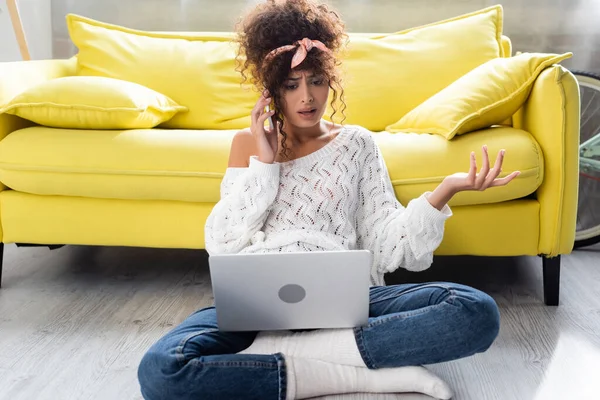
[{"x": 306, "y": 94}]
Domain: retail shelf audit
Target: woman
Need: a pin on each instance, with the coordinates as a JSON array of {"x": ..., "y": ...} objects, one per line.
[{"x": 312, "y": 185}]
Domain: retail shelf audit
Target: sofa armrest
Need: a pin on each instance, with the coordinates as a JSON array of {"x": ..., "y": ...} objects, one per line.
[
  {"x": 551, "y": 115},
  {"x": 506, "y": 46},
  {"x": 15, "y": 77}
]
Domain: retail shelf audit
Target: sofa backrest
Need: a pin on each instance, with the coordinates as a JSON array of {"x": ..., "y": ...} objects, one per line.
[{"x": 384, "y": 75}]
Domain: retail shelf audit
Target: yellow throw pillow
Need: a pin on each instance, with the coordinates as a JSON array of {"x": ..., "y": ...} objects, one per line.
[
  {"x": 87, "y": 102},
  {"x": 386, "y": 76},
  {"x": 486, "y": 96},
  {"x": 197, "y": 70}
]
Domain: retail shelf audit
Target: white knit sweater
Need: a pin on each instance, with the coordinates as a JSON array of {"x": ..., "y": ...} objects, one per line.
[{"x": 338, "y": 197}]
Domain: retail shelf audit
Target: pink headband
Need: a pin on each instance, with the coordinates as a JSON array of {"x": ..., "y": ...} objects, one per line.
[{"x": 302, "y": 48}]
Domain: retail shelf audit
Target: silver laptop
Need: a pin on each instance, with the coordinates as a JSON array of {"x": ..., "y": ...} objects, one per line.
[{"x": 309, "y": 290}]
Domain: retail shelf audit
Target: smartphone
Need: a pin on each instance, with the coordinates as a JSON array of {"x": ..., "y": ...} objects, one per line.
[{"x": 267, "y": 109}]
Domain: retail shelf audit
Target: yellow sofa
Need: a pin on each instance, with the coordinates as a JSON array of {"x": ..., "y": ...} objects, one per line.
[{"x": 156, "y": 187}]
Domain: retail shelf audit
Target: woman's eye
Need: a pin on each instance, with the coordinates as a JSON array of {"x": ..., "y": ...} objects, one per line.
[
  {"x": 319, "y": 82},
  {"x": 291, "y": 87}
]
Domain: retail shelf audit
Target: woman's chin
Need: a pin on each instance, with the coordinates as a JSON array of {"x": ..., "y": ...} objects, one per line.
[{"x": 305, "y": 123}]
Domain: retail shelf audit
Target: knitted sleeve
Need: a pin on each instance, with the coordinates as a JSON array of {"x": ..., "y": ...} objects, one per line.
[
  {"x": 397, "y": 236},
  {"x": 246, "y": 195}
]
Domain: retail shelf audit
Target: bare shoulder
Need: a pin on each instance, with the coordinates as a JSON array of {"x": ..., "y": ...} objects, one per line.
[{"x": 242, "y": 147}]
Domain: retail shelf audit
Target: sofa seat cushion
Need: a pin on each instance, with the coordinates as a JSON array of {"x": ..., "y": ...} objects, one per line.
[
  {"x": 419, "y": 162},
  {"x": 140, "y": 164},
  {"x": 188, "y": 165}
]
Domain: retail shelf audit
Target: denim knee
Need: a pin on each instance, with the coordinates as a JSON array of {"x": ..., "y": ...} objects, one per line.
[
  {"x": 486, "y": 321},
  {"x": 154, "y": 374}
]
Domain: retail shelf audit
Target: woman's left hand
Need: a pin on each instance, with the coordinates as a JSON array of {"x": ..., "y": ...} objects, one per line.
[
  {"x": 472, "y": 180},
  {"x": 486, "y": 178}
]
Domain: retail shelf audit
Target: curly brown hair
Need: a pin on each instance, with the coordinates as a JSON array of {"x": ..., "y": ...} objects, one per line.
[{"x": 277, "y": 23}]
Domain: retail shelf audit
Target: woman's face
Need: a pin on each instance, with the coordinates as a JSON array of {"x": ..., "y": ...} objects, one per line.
[{"x": 304, "y": 96}]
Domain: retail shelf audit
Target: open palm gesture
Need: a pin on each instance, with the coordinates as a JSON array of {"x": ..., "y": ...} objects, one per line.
[{"x": 487, "y": 177}]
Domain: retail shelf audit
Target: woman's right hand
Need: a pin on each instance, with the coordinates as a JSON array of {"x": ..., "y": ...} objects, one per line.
[{"x": 266, "y": 139}]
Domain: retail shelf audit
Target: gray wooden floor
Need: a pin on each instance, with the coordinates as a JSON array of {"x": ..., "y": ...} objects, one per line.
[{"x": 74, "y": 322}]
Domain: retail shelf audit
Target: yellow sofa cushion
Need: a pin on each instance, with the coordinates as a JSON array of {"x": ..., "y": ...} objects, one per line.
[
  {"x": 418, "y": 163},
  {"x": 386, "y": 76},
  {"x": 28, "y": 218},
  {"x": 487, "y": 95},
  {"x": 188, "y": 165},
  {"x": 195, "y": 70},
  {"x": 86, "y": 102}
]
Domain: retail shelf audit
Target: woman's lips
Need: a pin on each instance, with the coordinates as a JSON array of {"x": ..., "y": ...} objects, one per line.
[{"x": 308, "y": 114}]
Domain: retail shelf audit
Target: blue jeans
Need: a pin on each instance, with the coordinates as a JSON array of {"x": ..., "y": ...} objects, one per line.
[{"x": 409, "y": 324}]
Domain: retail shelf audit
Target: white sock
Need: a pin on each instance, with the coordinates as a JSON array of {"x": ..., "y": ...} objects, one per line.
[
  {"x": 311, "y": 378},
  {"x": 337, "y": 346}
]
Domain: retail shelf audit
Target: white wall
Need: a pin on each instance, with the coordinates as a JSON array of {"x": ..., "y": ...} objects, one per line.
[
  {"x": 36, "y": 17},
  {"x": 9, "y": 49},
  {"x": 37, "y": 25},
  {"x": 533, "y": 25}
]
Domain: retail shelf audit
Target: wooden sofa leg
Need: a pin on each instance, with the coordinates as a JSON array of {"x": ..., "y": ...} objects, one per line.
[{"x": 551, "y": 266}]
